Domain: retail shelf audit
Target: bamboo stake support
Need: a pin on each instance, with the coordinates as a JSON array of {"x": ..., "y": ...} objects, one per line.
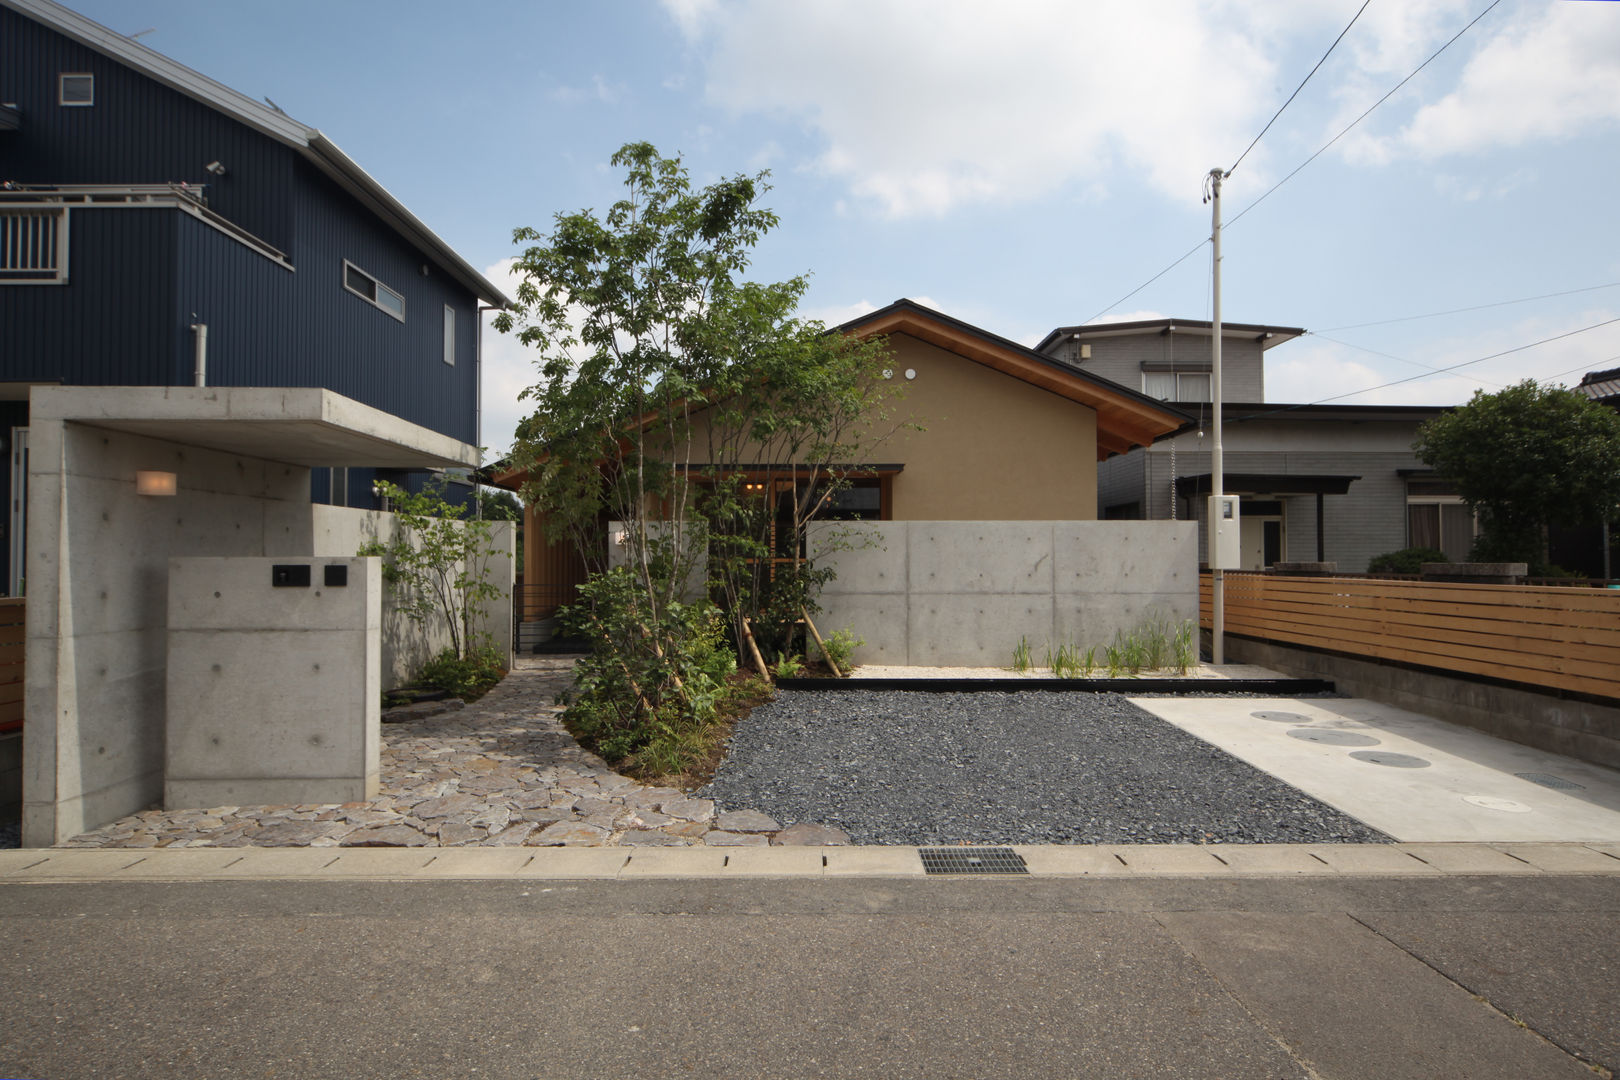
[
  {"x": 753, "y": 647},
  {"x": 820, "y": 644}
]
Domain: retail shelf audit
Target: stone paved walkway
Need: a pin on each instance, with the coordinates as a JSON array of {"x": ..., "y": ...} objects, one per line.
[{"x": 500, "y": 772}]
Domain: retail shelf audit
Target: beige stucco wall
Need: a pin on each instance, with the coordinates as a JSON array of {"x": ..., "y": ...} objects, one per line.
[{"x": 993, "y": 447}]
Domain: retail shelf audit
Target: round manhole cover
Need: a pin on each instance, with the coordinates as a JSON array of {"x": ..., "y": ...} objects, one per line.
[
  {"x": 1282, "y": 717},
  {"x": 1332, "y": 737},
  {"x": 1394, "y": 761},
  {"x": 1491, "y": 802}
]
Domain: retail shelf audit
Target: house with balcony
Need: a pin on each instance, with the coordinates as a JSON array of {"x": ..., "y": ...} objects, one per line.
[
  {"x": 158, "y": 228},
  {"x": 216, "y": 331}
]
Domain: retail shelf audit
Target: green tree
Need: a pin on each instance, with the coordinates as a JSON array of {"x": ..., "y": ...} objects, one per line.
[
  {"x": 437, "y": 563},
  {"x": 1525, "y": 458},
  {"x": 643, "y": 327}
]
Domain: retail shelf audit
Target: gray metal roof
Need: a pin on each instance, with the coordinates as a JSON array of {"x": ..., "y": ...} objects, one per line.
[
  {"x": 1600, "y": 385},
  {"x": 308, "y": 141}
]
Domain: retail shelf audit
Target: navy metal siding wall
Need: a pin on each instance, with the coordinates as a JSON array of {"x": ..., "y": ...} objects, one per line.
[
  {"x": 123, "y": 319},
  {"x": 137, "y": 132},
  {"x": 247, "y": 302},
  {"x": 368, "y": 354},
  {"x": 113, "y": 323}
]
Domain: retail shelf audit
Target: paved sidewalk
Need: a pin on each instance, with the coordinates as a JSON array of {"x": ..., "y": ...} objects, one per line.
[
  {"x": 1102, "y": 861},
  {"x": 502, "y": 772}
]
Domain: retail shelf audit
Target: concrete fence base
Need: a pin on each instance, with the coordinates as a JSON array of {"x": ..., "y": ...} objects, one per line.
[{"x": 965, "y": 592}]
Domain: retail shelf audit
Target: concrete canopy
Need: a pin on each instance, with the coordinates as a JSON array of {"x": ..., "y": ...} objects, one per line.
[{"x": 305, "y": 426}]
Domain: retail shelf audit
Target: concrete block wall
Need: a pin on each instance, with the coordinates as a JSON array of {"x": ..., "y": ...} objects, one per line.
[
  {"x": 340, "y": 531},
  {"x": 273, "y": 691},
  {"x": 963, "y": 593},
  {"x": 97, "y": 637}
]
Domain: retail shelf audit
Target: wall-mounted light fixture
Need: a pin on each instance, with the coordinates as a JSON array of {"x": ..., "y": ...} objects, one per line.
[
  {"x": 153, "y": 482},
  {"x": 217, "y": 168}
]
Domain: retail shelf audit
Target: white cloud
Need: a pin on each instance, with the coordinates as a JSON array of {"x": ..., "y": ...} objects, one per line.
[
  {"x": 1315, "y": 370},
  {"x": 923, "y": 106},
  {"x": 1551, "y": 73},
  {"x": 600, "y": 90},
  {"x": 1127, "y": 316},
  {"x": 508, "y": 369}
]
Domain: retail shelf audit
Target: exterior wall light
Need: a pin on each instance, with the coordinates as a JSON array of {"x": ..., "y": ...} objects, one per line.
[{"x": 153, "y": 482}]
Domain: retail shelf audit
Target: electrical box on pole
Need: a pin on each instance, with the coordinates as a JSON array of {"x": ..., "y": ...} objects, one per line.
[{"x": 1225, "y": 532}]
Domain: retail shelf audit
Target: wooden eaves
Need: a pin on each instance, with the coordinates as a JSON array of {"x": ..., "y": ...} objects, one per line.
[{"x": 1125, "y": 418}]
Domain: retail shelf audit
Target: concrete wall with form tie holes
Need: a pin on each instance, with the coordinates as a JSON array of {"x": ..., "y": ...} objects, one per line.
[{"x": 963, "y": 593}]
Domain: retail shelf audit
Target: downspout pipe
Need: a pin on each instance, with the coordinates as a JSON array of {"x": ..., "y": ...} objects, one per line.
[{"x": 199, "y": 354}]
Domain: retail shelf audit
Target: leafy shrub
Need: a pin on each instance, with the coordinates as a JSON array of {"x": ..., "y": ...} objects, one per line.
[
  {"x": 468, "y": 677},
  {"x": 1405, "y": 561},
  {"x": 840, "y": 645},
  {"x": 648, "y": 695}
]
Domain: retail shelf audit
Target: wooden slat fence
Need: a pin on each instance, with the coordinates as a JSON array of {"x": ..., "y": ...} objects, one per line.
[
  {"x": 13, "y": 614},
  {"x": 1561, "y": 638}
]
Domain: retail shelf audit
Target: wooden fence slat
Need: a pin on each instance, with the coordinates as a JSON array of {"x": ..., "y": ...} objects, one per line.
[
  {"x": 1577, "y": 642},
  {"x": 1481, "y": 630}
]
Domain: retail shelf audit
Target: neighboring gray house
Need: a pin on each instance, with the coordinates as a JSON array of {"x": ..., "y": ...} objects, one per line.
[{"x": 1338, "y": 483}]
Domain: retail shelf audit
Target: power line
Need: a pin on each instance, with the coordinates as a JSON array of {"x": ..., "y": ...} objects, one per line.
[
  {"x": 1467, "y": 363},
  {"x": 1306, "y": 162},
  {"x": 1588, "y": 366},
  {"x": 1476, "y": 307},
  {"x": 1391, "y": 356},
  {"x": 1298, "y": 88},
  {"x": 1364, "y": 115},
  {"x": 1109, "y": 307}
]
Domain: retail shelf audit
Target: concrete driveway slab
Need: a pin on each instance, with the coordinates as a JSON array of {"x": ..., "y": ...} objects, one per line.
[{"x": 1410, "y": 776}]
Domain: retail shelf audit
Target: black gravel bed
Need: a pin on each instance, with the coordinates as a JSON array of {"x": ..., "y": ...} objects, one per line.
[{"x": 897, "y": 767}]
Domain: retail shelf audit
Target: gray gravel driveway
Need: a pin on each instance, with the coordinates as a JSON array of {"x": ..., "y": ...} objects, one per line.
[{"x": 905, "y": 767}]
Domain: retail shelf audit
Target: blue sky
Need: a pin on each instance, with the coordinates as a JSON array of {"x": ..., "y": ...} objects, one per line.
[{"x": 1022, "y": 165}]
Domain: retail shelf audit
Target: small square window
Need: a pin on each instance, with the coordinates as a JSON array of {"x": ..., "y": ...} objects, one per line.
[
  {"x": 77, "y": 88},
  {"x": 449, "y": 335}
]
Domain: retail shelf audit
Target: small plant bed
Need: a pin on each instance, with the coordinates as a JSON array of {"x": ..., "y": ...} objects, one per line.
[{"x": 666, "y": 753}]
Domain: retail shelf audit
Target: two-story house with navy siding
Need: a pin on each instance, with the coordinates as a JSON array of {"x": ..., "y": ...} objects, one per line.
[{"x": 158, "y": 228}]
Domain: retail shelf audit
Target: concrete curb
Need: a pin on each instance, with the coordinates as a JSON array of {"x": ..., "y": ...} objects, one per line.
[{"x": 56, "y": 865}]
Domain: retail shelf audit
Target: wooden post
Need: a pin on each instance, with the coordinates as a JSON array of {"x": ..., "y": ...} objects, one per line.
[
  {"x": 820, "y": 644},
  {"x": 753, "y": 647}
]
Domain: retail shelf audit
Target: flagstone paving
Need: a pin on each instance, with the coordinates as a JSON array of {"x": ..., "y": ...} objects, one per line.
[{"x": 501, "y": 772}]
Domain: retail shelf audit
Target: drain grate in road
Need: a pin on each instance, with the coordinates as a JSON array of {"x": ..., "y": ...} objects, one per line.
[
  {"x": 1394, "y": 761},
  {"x": 972, "y": 860},
  {"x": 1548, "y": 780},
  {"x": 1331, "y": 737}
]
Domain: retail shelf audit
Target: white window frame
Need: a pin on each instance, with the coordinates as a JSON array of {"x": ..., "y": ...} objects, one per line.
[
  {"x": 61, "y": 89},
  {"x": 26, "y": 246},
  {"x": 378, "y": 289},
  {"x": 450, "y": 335},
  {"x": 1440, "y": 517},
  {"x": 1175, "y": 378}
]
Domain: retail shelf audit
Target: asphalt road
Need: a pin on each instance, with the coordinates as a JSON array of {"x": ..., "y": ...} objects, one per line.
[{"x": 1264, "y": 978}]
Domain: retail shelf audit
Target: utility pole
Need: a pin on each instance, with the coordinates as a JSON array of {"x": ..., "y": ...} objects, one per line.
[{"x": 1217, "y": 482}]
